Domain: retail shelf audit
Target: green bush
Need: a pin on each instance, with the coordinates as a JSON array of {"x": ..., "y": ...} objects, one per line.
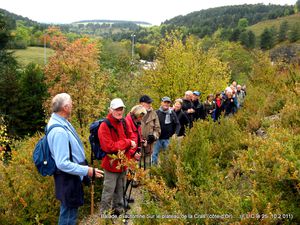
[{"x": 225, "y": 169}]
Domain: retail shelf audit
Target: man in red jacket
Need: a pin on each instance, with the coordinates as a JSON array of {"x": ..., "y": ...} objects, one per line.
[{"x": 112, "y": 141}]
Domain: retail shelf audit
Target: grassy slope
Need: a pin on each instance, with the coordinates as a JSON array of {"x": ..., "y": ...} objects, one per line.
[
  {"x": 32, "y": 54},
  {"x": 259, "y": 27}
]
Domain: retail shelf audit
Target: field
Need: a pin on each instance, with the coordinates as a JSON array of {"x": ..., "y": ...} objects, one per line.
[
  {"x": 32, "y": 54},
  {"x": 259, "y": 27}
]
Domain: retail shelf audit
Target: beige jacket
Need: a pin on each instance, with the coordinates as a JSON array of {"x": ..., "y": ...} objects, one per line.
[{"x": 150, "y": 125}]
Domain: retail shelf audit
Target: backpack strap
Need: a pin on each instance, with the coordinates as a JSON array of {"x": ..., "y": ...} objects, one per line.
[
  {"x": 112, "y": 127},
  {"x": 108, "y": 123},
  {"x": 47, "y": 131}
]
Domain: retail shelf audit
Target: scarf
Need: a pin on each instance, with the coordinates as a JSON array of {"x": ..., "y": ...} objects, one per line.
[{"x": 168, "y": 115}]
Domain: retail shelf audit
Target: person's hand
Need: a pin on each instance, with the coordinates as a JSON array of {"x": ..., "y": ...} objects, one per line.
[
  {"x": 145, "y": 143},
  {"x": 174, "y": 136},
  {"x": 137, "y": 156},
  {"x": 98, "y": 173},
  {"x": 133, "y": 144}
]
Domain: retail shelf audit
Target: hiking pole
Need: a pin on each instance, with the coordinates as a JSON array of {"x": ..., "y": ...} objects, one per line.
[
  {"x": 92, "y": 193},
  {"x": 92, "y": 184},
  {"x": 126, "y": 218},
  {"x": 144, "y": 156}
]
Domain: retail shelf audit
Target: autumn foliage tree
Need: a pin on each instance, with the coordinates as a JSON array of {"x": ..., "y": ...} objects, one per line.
[
  {"x": 75, "y": 69},
  {"x": 185, "y": 66}
]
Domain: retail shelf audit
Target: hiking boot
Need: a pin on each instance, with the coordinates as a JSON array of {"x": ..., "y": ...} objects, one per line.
[
  {"x": 128, "y": 207},
  {"x": 135, "y": 183},
  {"x": 116, "y": 212},
  {"x": 130, "y": 200}
]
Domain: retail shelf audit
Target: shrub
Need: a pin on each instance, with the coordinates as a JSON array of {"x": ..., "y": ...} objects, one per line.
[{"x": 26, "y": 196}]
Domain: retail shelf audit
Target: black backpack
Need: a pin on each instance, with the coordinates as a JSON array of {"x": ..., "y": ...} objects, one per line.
[{"x": 98, "y": 153}]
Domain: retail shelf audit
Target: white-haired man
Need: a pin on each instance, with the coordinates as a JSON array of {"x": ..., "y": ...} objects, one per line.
[
  {"x": 188, "y": 106},
  {"x": 114, "y": 138},
  {"x": 67, "y": 151}
]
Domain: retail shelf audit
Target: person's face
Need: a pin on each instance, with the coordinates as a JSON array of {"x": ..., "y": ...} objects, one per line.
[
  {"x": 229, "y": 94},
  {"x": 234, "y": 83},
  {"x": 139, "y": 119},
  {"x": 177, "y": 106},
  {"x": 118, "y": 113},
  {"x": 195, "y": 97},
  {"x": 189, "y": 97},
  {"x": 165, "y": 105},
  {"x": 147, "y": 106},
  {"x": 68, "y": 109}
]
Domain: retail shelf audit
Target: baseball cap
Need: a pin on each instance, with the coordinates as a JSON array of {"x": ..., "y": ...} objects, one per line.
[
  {"x": 146, "y": 99},
  {"x": 116, "y": 103},
  {"x": 198, "y": 93},
  {"x": 166, "y": 99}
]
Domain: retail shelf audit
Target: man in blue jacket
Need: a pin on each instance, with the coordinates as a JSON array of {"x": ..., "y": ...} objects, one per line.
[{"x": 67, "y": 151}]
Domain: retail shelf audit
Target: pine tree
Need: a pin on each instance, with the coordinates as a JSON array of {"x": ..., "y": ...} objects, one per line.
[
  {"x": 284, "y": 26},
  {"x": 267, "y": 39},
  {"x": 295, "y": 33},
  {"x": 33, "y": 93}
]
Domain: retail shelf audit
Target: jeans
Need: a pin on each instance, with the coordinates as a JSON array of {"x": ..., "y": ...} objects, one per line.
[
  {"x": 67, "y": 216},
  {"x": 160, "y": 143}
]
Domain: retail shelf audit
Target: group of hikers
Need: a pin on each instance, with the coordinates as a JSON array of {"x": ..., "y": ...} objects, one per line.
[{"x": 140, "y": 135}]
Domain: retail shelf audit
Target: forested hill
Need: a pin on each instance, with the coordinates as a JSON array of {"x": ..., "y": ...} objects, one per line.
[
  {"x": 206, "y": 22},
  {"x": 11, "y": 19},
  {"x": 113, "y": 22}
]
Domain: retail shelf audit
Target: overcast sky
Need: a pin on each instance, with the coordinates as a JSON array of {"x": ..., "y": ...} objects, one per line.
[{"x": 153, "y": 11}]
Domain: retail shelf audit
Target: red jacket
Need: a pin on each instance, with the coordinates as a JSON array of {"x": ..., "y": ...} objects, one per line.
[
  {"x": 112, "y": 142},
  {"x": 136, "y": 132}
]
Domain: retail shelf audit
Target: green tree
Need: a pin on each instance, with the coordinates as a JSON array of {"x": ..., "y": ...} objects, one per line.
[
  {"x": 267, "y": 40},
  {"x": 247, "y": 39},
  {"x": 4, "y": 32},
  {"x": 181, "y": 67},
  {"x": 235, "y": 34},
  {"x": 252, "y": 39},
  {"x": 9, "y": 92},
  {"x": 33, "y": 92},
  {"x": 243, "y": 24},
  {"x": 297, "y": 5},
  {"x": 295, "y": 33},
  {"x": 239, "y": 60},
  {"x": 22, "y": 36},
  {"x": 283, "y": 29},
  {"x": 146, "y": 51}
]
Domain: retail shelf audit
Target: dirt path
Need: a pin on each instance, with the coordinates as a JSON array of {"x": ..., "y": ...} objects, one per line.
[{"x": 135, "y": 210}]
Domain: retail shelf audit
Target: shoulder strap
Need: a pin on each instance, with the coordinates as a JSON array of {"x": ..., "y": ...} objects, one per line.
[
  {"x": 47, "y": 131},
  {"x": 59, "y": 125},
  {"x": 112, "y": 127},
  {"x": 124, "y": 127},
  {"x": 108, "y": 123}
]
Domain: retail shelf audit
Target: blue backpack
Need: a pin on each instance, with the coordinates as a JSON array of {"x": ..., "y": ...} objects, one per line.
[
  {"x": 42, "y": 158},
  {"x": 97, "y": 152}
]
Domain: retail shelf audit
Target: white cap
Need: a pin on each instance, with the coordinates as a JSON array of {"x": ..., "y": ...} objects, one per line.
[{"x": 116, "y": 103}]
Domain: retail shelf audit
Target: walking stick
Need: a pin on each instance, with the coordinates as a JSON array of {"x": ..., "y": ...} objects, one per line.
[
  {"x": 92, "y": 196},
  {"x": 144, "y": 154},
  {"x": 92, "y": 185}
]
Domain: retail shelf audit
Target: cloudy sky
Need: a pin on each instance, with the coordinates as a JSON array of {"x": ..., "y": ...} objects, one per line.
[{"x": 154, "y": 11}]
